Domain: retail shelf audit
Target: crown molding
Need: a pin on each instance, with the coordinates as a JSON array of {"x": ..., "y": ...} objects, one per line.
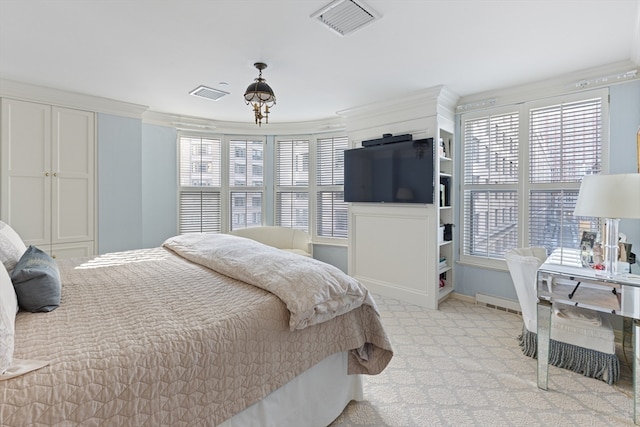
[
  {"x": 567, "y": 83},
  {"x": 62, "y": 98},
  {"x": 198, "y": 124}
]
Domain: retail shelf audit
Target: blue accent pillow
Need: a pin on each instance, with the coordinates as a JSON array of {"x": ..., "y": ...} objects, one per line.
[{"x": 36, "y": 279}]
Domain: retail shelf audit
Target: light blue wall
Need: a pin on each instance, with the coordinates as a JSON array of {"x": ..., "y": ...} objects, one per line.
[
  {"x": 624, "y": 120},
  {"x": 159, "y": 184},
  {"x": 334, "y": 255},
  {"x": 137, "y": 188},
  {"x": 119, "y": 183}
]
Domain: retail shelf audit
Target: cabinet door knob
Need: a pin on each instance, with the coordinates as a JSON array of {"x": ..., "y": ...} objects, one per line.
[
  {"x": 55, "y": 174},
  {"x": 46, "y": 174}
]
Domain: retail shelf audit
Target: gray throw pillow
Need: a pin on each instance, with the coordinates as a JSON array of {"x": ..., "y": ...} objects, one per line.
[{"x": 36, "y": 279}]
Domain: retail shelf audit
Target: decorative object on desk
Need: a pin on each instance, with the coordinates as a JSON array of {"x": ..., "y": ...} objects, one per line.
[
  {"x": 597, "y": 256},
  {"x": 580, "y": 342},
  {"x": 608, "y": 197},
  {"x": 586, "y": 247},
  {"x": 624, "y": 248}
]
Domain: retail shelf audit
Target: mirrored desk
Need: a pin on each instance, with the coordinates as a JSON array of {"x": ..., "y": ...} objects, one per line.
[{"x": 562, "y": 279}]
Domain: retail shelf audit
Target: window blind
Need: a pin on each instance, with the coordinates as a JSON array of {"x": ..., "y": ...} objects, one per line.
[
  {"x": 199, "y": 212},
  {"x": 246, "y": 182},
  {"x": 292, "y": 183},
  {"x": 490, "y": 198},
  {"x": 565, "y": 141},
  {"x": 507, "y": 204},
  {"x": 565, "y": 145},
  {"x": 199, "y": 172},
  {"x": 331, "y": 209},
  {"x": 491, "y": 222}
]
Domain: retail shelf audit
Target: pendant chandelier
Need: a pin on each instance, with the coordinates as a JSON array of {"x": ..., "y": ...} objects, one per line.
[{"x": 260, "y": 96}]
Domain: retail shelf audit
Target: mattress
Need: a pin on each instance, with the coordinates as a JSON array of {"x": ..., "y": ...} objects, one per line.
[{"x": 147, "y": 337}]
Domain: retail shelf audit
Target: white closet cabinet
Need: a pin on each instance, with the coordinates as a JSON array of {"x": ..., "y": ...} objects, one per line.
[{"x": 47, "y": 176}]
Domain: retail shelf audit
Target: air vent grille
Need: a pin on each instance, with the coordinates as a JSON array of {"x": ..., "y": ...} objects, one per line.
[
  {"x": 345, "y": 16},
  {"x": 208, "y": 92}
]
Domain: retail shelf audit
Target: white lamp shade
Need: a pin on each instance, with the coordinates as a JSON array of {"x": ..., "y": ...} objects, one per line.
[{"x": 609, "y": 196}]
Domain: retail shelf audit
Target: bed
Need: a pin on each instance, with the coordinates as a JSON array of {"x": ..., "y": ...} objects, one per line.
[{"x": 186, "y": 334}]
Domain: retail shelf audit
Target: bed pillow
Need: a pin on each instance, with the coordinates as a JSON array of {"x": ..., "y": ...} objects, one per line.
[
  {"x": 36, "y": 280},
  {"x": 8, "y": 310},
  {"x": 11, "y": 246}
]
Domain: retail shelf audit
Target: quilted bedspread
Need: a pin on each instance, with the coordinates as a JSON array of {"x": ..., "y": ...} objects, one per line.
[
  {"x": 149, "y": 338},
  {"x": 312, "y": 290}
]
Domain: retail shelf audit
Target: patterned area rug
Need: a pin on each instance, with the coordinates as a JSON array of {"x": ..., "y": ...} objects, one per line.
[{"x": 462, "y": 366}]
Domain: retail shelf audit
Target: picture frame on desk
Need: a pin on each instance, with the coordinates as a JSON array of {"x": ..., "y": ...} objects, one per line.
[{"x": 586, "y": 247}]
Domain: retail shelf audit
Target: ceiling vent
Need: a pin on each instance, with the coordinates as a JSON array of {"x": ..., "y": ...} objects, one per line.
[
  {"x": 208, "y": 92},
  {"x": 346, "y": 16}
]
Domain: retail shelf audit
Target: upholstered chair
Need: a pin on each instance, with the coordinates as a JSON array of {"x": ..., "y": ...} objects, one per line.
[
  {"x": 285, "y": 238},
  {"x": 581, "y": 340}
]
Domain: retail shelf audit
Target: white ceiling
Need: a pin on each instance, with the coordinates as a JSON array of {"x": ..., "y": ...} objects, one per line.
[{"x": 153, "y": 52}]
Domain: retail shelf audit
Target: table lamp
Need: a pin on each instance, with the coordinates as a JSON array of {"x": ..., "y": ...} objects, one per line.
[{"x": 610, "y": 197}]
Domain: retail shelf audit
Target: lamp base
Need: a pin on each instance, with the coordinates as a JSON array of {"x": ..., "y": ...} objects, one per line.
[{"x": 611, "y": 246}]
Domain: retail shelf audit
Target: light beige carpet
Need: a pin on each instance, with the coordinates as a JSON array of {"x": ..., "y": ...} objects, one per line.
[{"x": 462, "y": 366}]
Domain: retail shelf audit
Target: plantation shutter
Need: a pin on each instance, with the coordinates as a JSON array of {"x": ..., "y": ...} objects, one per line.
[
  {"x": 199, "y": 207},
  {"x": 565, "y": 145},
  {"x": 292, "y": 183},
  {"x": 331, "y": 209}
]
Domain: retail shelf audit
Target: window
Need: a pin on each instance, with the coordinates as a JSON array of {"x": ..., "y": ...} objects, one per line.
[
  {"x": 246, "y": 178},
  {"x": 222, "y": 184},
  {"x": 522, "y": 169},
  {"x": 292, "y": 183},
  {"x": 331, "y": 209},
  {"x": 200, "y": 183}
]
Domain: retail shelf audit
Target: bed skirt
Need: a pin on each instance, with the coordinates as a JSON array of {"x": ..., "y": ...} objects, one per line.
[
  {"x": 590, "y": 363},
  {"x": 314, "y": 398}
]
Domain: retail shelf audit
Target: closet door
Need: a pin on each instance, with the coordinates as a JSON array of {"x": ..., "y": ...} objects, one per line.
[
  {"x": 72, "y": 164},
  {"x": 25, "y": 168}
]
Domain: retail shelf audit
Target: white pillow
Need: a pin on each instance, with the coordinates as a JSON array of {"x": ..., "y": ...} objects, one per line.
[
  {"x": 11, "y": 246},
  {"x": 8, "y": 310}
]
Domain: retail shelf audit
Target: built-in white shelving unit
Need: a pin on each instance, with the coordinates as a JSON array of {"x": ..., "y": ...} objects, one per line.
[{"x": 395, "y": 248}]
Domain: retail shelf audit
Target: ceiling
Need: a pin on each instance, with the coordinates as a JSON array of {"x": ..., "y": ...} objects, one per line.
[{"x": 154, "y": 52}]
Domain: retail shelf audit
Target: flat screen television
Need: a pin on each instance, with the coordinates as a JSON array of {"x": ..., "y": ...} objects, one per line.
[{"x": 399, "y": 172}]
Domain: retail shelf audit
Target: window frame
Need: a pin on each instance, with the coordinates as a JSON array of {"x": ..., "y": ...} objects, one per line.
[
  {"x": 292, "y": 188},
  {"x": 524, "y": 187},
  {"x": 230, "y": 188},
  {"x": 202, "y": 189},
  {"x": 313, "y": 187}
]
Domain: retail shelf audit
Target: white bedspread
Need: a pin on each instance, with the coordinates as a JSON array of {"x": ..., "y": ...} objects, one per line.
[{"x": 312, "y": 290}]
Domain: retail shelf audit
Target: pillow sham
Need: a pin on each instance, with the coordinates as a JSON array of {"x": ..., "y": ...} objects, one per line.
[
  {"x": 36, "y": 279},
  {"x": 11, "y": 246},
  {"x": 8, "y": 310}
]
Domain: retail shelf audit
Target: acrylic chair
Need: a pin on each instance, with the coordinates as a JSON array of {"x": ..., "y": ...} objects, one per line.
[{"x": 581, "y": 340}]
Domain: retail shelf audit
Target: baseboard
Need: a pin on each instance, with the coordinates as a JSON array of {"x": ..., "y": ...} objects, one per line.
[
  {"x": 462, "y": 297},
  {"x": 498, "y": 303}
]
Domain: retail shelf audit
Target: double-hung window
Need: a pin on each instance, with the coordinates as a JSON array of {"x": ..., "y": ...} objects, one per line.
[
  {"x": 246, "y": 182},
  {"x": 200, "y": 184},
  {"x": 298, "y": 162},
  {"x": 331, "y": 209},
  {"x": 522, "y": 167},
  {"x": 292, "y": 183}
]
